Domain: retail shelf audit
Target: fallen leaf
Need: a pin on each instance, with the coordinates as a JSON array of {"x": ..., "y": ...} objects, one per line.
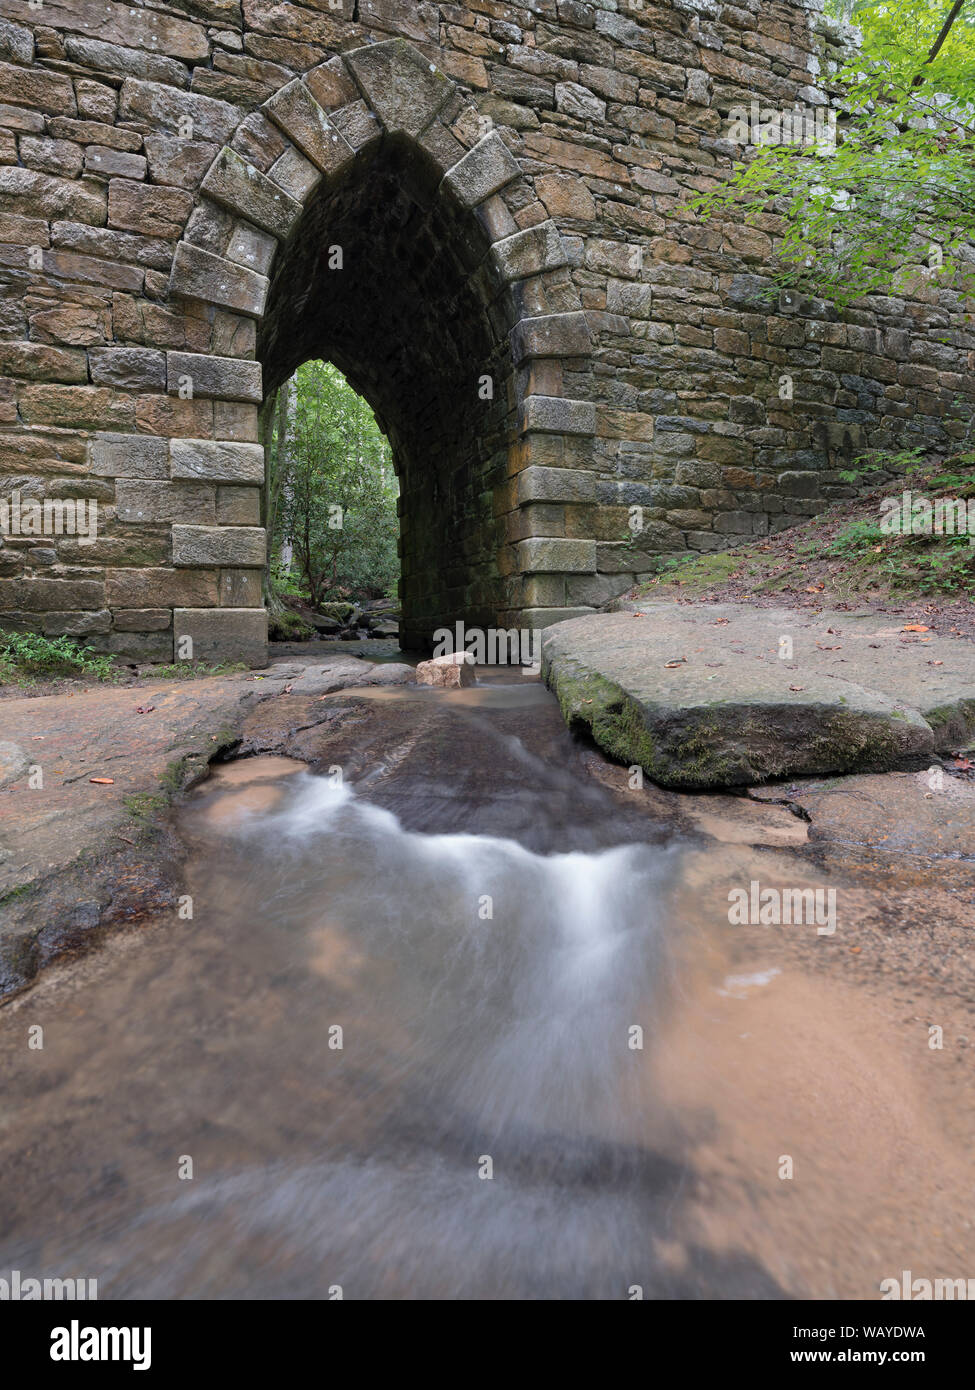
[
  {"x": 797, "y": 687},
  {"x": 671, "y": 664},
  {"x": 102, "y": 781},
  {"x": 144, "y": 709},
  {"x": 915, "y": 627}
]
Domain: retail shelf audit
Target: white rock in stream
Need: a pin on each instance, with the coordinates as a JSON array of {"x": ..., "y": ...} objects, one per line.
[{"x": 451, "y": 671}]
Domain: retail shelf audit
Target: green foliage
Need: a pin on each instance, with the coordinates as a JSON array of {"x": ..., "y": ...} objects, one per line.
[
  {"x": 24, "y": 655},
  {"x": 341, "y": 612},
  {"x": 886, "y": 461},
  {"x": 288, "y": 584},
  {"x": 289, "y": 626},
  {"x": 195, "y": 670},
  {"x": 890, "y": 206},
  {"x": 856, "y": 538},
  {"x": 338, "y": 498}
]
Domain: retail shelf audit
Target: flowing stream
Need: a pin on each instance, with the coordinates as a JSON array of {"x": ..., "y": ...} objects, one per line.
[{"x": 403, "y": 1047}]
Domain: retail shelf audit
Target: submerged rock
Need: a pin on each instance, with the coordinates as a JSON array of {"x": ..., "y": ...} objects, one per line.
[{"x": 450, "y": 672}]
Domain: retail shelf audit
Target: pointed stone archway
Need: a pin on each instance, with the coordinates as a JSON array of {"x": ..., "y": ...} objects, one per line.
[{"x": 366, "y": 215}]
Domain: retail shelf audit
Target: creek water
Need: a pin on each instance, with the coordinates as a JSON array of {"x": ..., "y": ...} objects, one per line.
[{"x": 404, "y": 1047}]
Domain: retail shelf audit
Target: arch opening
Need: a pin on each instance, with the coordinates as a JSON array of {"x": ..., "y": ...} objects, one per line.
[{"x": 390, "y": 278}]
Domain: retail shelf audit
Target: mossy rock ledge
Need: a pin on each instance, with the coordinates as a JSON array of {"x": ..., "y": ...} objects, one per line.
[{"x": 699, "y": 695}]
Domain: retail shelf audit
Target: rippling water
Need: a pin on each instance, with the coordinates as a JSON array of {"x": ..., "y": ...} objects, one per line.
[{"x": 403, "y": 1062}]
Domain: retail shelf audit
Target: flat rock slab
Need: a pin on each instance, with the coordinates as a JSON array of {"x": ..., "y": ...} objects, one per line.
[
  {"x": 699, "y": 695},
  {"x": 86, "y": 779},
  {"x": 911, "y": 817}
]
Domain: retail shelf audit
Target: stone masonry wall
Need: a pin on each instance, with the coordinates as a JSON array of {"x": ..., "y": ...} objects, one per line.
[{"x": 506, "y": 183}]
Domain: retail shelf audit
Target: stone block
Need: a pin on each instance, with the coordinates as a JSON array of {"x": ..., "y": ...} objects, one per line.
[
  {"x": 238, "y": 186},
  {"x": 251, "y": 247},
  {"x": 295, "y": 174},
  {"x": 79, "y": 624},
  {"x": 538, "y": 484},
  {"x": 242, "y": 588},
  {"x": 547, "y": 556},
  {"x": 243, "y": 547},
  {"x": 51, "y": 595},
  {"x": 199, "y": 274},
  {"x": 131, "y": 368},
  {"x": 530, "y": 252},
  {"x": 331, "y": 85},
  {"x": 143, "y": 501},
  {"x": 159, "y": 588},
  {"x": 555, "y": 415},
  {"x": 220, "y": 378},
  {"x": 219, "y": 635},
  {"x": 216, "y": 461},
  {"x": 142, "y": 619},
  {"x": 552, "y": 335},
  {"x": 295, "y": 111},
  {"x": 238, "y": 506},
  {"x": 405, "y": 91},
  {"x": 484, "y": 169}
]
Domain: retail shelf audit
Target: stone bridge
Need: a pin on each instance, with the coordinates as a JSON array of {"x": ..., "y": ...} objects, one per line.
[{"x": 477, "y": 211}]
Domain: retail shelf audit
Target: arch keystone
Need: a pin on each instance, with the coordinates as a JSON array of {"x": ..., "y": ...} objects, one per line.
[{"x": 404, "y": 90}]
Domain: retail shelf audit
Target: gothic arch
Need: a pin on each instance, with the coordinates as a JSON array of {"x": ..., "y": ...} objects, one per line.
[{"x": 379, "y": 149}]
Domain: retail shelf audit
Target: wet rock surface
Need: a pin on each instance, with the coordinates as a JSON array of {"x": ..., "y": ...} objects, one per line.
[
  {"x": 728, "y": 695},
  {"x": 87, "y": 780},
  {"x": 318, "y": 902}
]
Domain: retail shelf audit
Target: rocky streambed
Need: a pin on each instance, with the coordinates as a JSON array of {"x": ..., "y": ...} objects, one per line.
[{"x": 353, "y": 938}]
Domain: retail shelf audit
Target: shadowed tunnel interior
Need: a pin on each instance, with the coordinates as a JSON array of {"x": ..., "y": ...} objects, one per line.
[{"x": 390, "y": 279}]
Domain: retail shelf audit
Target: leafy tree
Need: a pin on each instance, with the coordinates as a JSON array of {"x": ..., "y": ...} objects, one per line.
[
  {"x": 336, "y": 488},
  {"x": 891, "y": 202}
]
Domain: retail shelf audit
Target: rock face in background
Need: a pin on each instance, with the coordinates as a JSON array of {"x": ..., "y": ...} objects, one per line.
[{"x": 466, "y": 207}]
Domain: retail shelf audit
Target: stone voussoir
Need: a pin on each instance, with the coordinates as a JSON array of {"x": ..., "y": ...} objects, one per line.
[
  {"x": 238, "y": 186},
  {"x": 406, "y": 92},
  {"x": 530, "y": 252},
  {"x": 199, "y": 274},
  {"x": 487, "y": 167},
  {"x": 295, "y": 111},
  {"x": 551, "y": 335}
]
